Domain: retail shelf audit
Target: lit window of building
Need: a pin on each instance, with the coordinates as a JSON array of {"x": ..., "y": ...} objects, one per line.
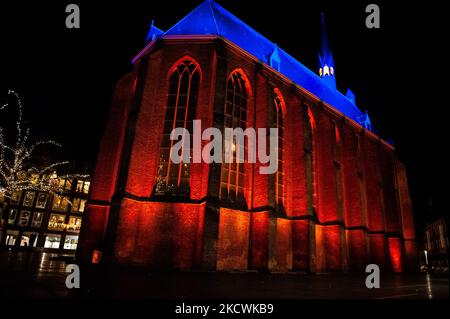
[
  {"x": 235, "y": 116},
  {"x": 41, "y": 200},
  {"x": 79, "y": 186},
  {"x": 60, "y": 203},
  {"x": 12, "y": 237},
  {"x": 37, "y": 219},
  {"x": 181, "y": 108},
  {"x": 82, "y": 205},
  {"x": 24, "y": 218},
  {"x": 28, "y": 199},
  {"x": 12, "y": 216},
  {"x": 15, "y": 198},
  {"x": 44, "y": 220},
  {"x": 78, "y": 205},
  {"x": 70, "y": 242},
  {"x": 52, "y": 241},
  {"x": 56, "y": 222},
  {"x": 68, "y": 185},
  {"x": 86, "y": 187},
  {"x": 74, "y": 224},
  {"x": 28, "y": 239}
]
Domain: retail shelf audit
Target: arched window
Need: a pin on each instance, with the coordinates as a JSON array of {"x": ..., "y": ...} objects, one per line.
[
  {"x": 235, "y": 115},
  {"x": 278, "y": 106},
  {"x": 181, "y": 107}
]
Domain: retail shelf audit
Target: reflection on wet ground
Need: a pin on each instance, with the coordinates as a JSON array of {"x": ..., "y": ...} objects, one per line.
[{"x": 42, "y": 275}]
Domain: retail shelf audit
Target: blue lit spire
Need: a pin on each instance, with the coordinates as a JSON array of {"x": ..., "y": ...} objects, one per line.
[
  {"x": 153, "y": 32},
  {"x": 364, "y": 120},
  {"x": 326, "y": 63}
]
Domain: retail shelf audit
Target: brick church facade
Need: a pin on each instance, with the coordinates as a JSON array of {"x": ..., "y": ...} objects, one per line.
[{"x": 338, "y": 201}]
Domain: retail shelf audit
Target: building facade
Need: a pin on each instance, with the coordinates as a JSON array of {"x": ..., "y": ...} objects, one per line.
[
  {"x": 436, "y": 244},
  {"x": 338, "y": 201},
  {"x": 46, "y": 222}
]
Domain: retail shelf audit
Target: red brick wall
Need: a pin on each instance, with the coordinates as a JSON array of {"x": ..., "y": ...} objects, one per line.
[
  {"x": 377, "y": 249},
  {"x": 93, "y": 231},
  {"x": 263, "y": 106},
  {"x": 295, "y": 168},
  {"x": 407, "y": 217},
  {"x": 301, "y": 241},
  {"x": 170, "y": 234},
  {"x": 389, "y": 193},
  {"x": 395, "y": 254},
  {"x": 259, "y": 240},
  {"x": 159, "y": 234},
  {"x": 283, "y": 244},
  {"x": 353, "y": 214},
  {"x": 375, "y": 215},
  {"x": 148, "y": 136},
  {"x": 232, "y": 245},
  {"x": 327, "y": 208},
  {"x": 357, "y": 249}
]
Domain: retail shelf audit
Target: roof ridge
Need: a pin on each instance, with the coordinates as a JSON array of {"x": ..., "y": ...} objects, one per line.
[
  {"x": 244, "y": 24},
  {"x": 211, "y": 18},
  {"x": 214, "y": 16}
]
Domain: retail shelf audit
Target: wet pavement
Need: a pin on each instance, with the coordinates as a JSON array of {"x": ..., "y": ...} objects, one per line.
[{"x": 42, "y": 275}]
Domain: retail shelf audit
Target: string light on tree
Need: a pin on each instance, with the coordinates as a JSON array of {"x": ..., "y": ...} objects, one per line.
[{"x": 15, "y": 174}]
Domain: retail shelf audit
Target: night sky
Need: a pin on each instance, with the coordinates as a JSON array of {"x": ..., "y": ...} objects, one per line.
[{"x": 398, "y": 72}]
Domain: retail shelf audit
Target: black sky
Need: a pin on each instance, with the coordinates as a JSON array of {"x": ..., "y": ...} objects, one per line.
[{"x": 398, "y": 72}]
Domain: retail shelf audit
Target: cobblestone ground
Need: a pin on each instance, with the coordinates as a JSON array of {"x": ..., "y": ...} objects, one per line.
[{"x": 42, "y": 275}]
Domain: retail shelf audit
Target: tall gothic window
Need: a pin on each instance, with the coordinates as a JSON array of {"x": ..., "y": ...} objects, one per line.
[
  {"x": 278, "y": 123},
  {"x": 235, "y": 115},
  {"x": 181, "y": 107}
]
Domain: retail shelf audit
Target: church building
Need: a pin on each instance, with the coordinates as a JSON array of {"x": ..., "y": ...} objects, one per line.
[{"x": 338, "y": 201}]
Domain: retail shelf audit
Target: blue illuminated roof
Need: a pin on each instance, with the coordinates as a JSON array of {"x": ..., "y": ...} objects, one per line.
[{"x": 211, "y": 19}]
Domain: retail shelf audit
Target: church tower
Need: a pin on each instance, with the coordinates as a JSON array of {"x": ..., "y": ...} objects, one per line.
[{"x": 326, "y": 63}]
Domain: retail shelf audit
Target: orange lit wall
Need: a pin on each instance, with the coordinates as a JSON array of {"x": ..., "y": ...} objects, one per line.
[
  {"x": 395, "y": 253},
  {"x": 159, "y": 234},
  {"x": 295, "y": 167},
  {"x": 232, "y": 245},
  {"x": 283, "y": 245},
  {"x": 375, "y": 218},
  {"x": 259, "y": 243},
  {"x": 357, "y": 249},
  {"x": 260, "y": 185},
  {"x": 327, "y": 208},
  {"x": 352, "y": 193},
  {"x": 92, "y": 230},
  {"x": 377, "y": 249},
  {"x": 405, "y": 203},
  {"x": 307, "y": 233},
  {"x": 390, "y": 200},
  {"x": 301, "y": 242}
]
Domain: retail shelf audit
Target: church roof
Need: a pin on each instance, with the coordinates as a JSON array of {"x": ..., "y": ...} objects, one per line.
[{"x": 211, "y": 19}]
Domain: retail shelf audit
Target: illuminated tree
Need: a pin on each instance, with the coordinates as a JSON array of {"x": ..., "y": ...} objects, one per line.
[{"x": 16, "y": 171}]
